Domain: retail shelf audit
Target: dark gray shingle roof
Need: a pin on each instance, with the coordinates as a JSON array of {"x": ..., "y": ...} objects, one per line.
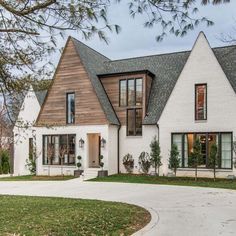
[
  {"x": 226, "y": 56},
  {"x": 41, "y": 96},
  {"x": 165, "y": 67}
]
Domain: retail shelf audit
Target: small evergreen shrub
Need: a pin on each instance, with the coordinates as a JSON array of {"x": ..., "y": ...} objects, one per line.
[
  {"x": 79, "y": 158},
  {"x": 5, "y": 165},
  {"x": 31, "y": 165},
  {"x": 128, "y": 163},
  {"x": 155, "y": 155},
  {"x": 174, "y": 160}
]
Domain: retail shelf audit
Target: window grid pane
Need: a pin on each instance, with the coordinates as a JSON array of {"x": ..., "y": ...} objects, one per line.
[
  {"x": 123, "y": 93},
  {"x": 138, "y": 122},
  {"x": 139, "y": 92},
  {"x": 177, "y": 140},
  {"x": 59, "y": 149},
  {"x": 70, "y": 108},
  {"x": 224, "y": 145},
  {"x": 131, "y": 122},
  {"x": 226, "y": 150},
  {"x": 131, "y": 92},
  {"x": 201, "y": 105}
]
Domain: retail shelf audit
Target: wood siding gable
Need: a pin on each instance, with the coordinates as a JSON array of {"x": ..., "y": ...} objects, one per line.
[{"x": 71, "y": 76}]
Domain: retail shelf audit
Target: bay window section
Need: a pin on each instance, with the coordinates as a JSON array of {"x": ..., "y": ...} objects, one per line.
[
  {"x": 200, "y": 102},
  {"x": 59, "y": 149},
  {"x": 70, "y": 108},
  {"x": 185, "y": 142},
  {"x": 134, "y": 122}
]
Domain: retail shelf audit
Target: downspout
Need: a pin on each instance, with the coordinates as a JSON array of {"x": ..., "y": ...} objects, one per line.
[
  {"x": 158, "y": 132},
  {"x": 118, "y": 149}
]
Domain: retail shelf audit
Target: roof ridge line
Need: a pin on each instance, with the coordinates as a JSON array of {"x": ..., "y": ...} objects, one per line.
[
  {"x": 168, "y": 53},
  {"x": 91, "y": 48}
]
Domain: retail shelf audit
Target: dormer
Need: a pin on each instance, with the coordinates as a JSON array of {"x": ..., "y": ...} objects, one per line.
[{"x": 129, "y": 94}]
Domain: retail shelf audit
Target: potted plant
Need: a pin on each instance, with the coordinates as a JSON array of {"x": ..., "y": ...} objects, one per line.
[
  {"x": 102, "y": 173},
  {"x": 128, "y": 163},
  {"x": 78, "y": 172}
]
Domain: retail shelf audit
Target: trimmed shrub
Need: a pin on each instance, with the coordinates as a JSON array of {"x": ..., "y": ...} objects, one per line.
[
  {"x": 5, "y": 157},
  {"x": 144, "y": 162},
  {"x": 128, "y": 163}
]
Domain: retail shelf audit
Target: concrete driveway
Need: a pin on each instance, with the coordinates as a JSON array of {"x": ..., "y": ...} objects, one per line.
[{"x": 176, "y": 211}]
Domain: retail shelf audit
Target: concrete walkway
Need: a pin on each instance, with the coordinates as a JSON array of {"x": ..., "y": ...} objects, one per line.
[{"x": 176, "y": 211}]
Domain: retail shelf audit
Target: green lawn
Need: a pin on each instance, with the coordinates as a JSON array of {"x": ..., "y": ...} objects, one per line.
[
  {"x": 44, "y": 216},
  {"x": 38, "y": 178},
  {"x": 184, "y": 181}
]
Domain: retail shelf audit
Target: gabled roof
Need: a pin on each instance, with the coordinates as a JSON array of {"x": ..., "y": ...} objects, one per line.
[
  {"x": 41, "y": 96},
  {"x": 165, "y": 69},
  {"x": 94, "y": 64},
  {"x": 226, "y": 56}
]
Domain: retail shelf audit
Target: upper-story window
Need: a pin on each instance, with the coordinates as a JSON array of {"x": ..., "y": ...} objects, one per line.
[
  {"x": 70, "y": 108},
  {"x": 131, "y": 92},
  {"x": 200, "y": 102},
  {"x": 123, "y": 93}
]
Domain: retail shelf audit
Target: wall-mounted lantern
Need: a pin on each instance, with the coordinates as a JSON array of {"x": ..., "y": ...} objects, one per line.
[
  {"x": 81, "y": 143},
  {"x": 103, "y": 142}
]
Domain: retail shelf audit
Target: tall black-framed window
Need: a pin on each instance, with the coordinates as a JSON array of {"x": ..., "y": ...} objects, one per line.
[
  {"x": 200, "y": 101},
  {"x": 134, "y": 122},
  {"x": 59, "y": 149},
  {"x": 130, "y": 92},
  {"x": 223, "y": 140},
  {"x": 70, "y": 108}
]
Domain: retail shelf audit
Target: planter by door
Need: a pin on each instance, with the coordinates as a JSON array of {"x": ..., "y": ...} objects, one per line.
[
  {"x": 102, "y": 173},
  {"x": 77, "y": 173}
]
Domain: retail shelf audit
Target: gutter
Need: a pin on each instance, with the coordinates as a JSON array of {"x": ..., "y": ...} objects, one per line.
[
  {"x": 118, "y": 149},
  {"x": 158, "y": 132}
]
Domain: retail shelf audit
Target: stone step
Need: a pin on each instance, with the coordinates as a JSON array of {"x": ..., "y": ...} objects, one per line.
[{"x": 90, "y": 173}]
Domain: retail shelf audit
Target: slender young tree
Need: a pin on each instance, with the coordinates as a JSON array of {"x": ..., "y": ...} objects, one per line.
[
  {"x": 234, "y": 149},
  {"x": 50, "y": 154},
  {"x": 174, "y": 160},
  {"x": 213, "y": 159},
  {"x": 62, "y": 152},
  {"x": 195, "y": 158},
  {"x": 155, "y": 155}
]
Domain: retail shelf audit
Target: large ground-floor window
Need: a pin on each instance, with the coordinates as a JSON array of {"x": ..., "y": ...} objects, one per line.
[
  {"x": 59, "y": 149},
  {"x": 185, "y": 141}
]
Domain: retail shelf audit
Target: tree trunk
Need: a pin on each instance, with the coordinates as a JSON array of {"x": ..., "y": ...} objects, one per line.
[
  {"x": 214, "y": 174},
  {"x": 196, "y": 174},
  {"x": 175, "y": 170}
]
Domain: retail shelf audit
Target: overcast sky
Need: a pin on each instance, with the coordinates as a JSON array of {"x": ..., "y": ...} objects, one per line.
[{"x": 135, "y": 40}]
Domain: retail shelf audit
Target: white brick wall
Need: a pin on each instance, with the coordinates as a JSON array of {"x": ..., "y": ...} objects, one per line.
[{"x": 178, "y": 115}]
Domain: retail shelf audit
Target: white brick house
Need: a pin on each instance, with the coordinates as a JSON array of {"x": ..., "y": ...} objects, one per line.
[{"x": 177, "y": 97}]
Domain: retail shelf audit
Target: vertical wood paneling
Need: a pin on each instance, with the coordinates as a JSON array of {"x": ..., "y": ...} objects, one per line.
[{"x": 71, "y": 76}]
